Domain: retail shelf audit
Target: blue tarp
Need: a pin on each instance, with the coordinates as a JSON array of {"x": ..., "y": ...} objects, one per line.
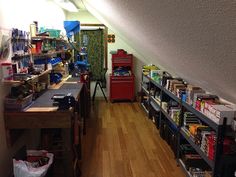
[{"x": 71, "y": 27}]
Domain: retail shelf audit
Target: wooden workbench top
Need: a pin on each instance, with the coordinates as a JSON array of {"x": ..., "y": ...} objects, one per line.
[{"x": 41, "y": 113}]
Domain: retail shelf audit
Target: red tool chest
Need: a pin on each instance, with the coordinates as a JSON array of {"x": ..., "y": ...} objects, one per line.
[{"x": 122, "y": 77}]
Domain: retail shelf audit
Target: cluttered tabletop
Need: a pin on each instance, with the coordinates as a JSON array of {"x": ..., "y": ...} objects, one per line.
[
  {"x": 46, "y": 99},
  {"x": 43, "y": 112},
  {"x": 69, "y": 88}
]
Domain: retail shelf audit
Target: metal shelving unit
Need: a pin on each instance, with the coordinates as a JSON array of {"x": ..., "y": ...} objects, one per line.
[{"x": 213, "y": 164}]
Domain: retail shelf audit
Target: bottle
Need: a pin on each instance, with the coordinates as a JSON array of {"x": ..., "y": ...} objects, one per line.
[{"x": 32, "y": 30}]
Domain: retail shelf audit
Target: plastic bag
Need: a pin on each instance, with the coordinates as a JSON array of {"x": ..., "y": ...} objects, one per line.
[{"x": 26, "y": 169}]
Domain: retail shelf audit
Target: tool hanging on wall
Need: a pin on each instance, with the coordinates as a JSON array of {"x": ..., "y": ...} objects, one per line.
[{"x": 4, "y": 46}]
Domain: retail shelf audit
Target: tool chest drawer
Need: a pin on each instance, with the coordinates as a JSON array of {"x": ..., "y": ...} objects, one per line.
[{"x": 121, "y": 88}]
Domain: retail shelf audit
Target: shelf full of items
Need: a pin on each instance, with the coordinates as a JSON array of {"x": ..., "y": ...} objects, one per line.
[
  {"x": 198, "y": 126},
  {"x": 37, "y": 61}
]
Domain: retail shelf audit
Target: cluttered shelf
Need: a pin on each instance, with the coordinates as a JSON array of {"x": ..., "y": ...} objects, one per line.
[
  {"x": 156, "y": 83},
  {"x": 190, "y": 139},
  {"x": 28, "y": 78},
  {"x": 200, "y": 115},
  {"x": 168, "y": 117},
  {"x": 195, "y": 116},
  {"x": 38, "y": 38},
  {"x": 48, "y": 53}
]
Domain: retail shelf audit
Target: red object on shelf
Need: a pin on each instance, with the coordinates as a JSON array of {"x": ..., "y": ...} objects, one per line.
[
  {"x": 122, "y": 87},
  {"x": 38, "y": 46}
]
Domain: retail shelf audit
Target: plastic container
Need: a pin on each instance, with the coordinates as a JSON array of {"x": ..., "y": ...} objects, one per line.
[
  {"x": 7, "y": 71},
  {"x": 53, "y": 33},
  {"x": 17, "y": 104},
  {"x": 37, "y": 164},
  {"x": 55, "y": 77}
]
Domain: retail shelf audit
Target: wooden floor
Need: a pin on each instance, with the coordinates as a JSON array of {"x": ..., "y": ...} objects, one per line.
[{"x": 122, "y": 142}]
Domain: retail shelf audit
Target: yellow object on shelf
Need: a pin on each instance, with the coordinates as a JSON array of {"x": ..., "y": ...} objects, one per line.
[
  {"x": 150, "y": 67},
  {"x": 193, "y": 128}
]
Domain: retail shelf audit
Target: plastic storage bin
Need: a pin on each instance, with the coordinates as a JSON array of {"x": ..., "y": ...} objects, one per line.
[{"x": 53, "y": 33}]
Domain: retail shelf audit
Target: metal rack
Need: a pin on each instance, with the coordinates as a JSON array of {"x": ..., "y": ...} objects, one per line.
[{"x": 180, "y": 130}]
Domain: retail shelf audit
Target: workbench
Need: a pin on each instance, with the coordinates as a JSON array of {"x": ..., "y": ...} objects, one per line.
[{"x": 41, "y": 114}]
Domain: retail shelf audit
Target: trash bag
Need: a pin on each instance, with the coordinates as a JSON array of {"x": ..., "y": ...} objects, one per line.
[{"x": 37, "y": 164}]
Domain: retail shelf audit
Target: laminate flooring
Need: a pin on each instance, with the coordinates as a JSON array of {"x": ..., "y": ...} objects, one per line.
[{"x": 122, "y": 142}]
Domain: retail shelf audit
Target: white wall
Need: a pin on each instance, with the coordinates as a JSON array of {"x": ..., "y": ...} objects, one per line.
[
  {"x": 83, "y": 16},
  {"x": 20, "y": 14},
  {"x": 137, "y": 58},
  {"x": 192, "y": 39}
]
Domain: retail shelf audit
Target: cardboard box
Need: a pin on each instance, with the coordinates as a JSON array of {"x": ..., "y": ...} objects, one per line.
[
  {"x": 233, "y": 107},
  {"x": 172, "y": 83},
  {"x": 218, "y": 112},
  {"x": 223, "y": 111},
  {"x": 203, "y": 97}
]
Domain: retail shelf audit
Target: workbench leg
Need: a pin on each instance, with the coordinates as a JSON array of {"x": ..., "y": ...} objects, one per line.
[{"x": 68, "y": 155}]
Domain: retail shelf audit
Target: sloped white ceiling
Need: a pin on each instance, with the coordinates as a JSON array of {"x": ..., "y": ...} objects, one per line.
[{"x": 195, "y": 40}]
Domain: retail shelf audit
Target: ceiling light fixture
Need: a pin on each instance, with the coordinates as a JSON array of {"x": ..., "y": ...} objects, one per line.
[{"x": 67, "y": 5}]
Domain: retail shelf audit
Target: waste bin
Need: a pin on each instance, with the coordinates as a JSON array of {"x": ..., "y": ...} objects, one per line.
[{"x": 36, "y": 164}]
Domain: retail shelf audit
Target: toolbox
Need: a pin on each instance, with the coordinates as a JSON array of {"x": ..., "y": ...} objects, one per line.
[{"x": 122, "y": 86}]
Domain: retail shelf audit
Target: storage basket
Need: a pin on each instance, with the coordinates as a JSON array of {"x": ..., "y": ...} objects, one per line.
[
  {"x": 17, "y": 104},
  {"x": 53, "y": 33}
]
